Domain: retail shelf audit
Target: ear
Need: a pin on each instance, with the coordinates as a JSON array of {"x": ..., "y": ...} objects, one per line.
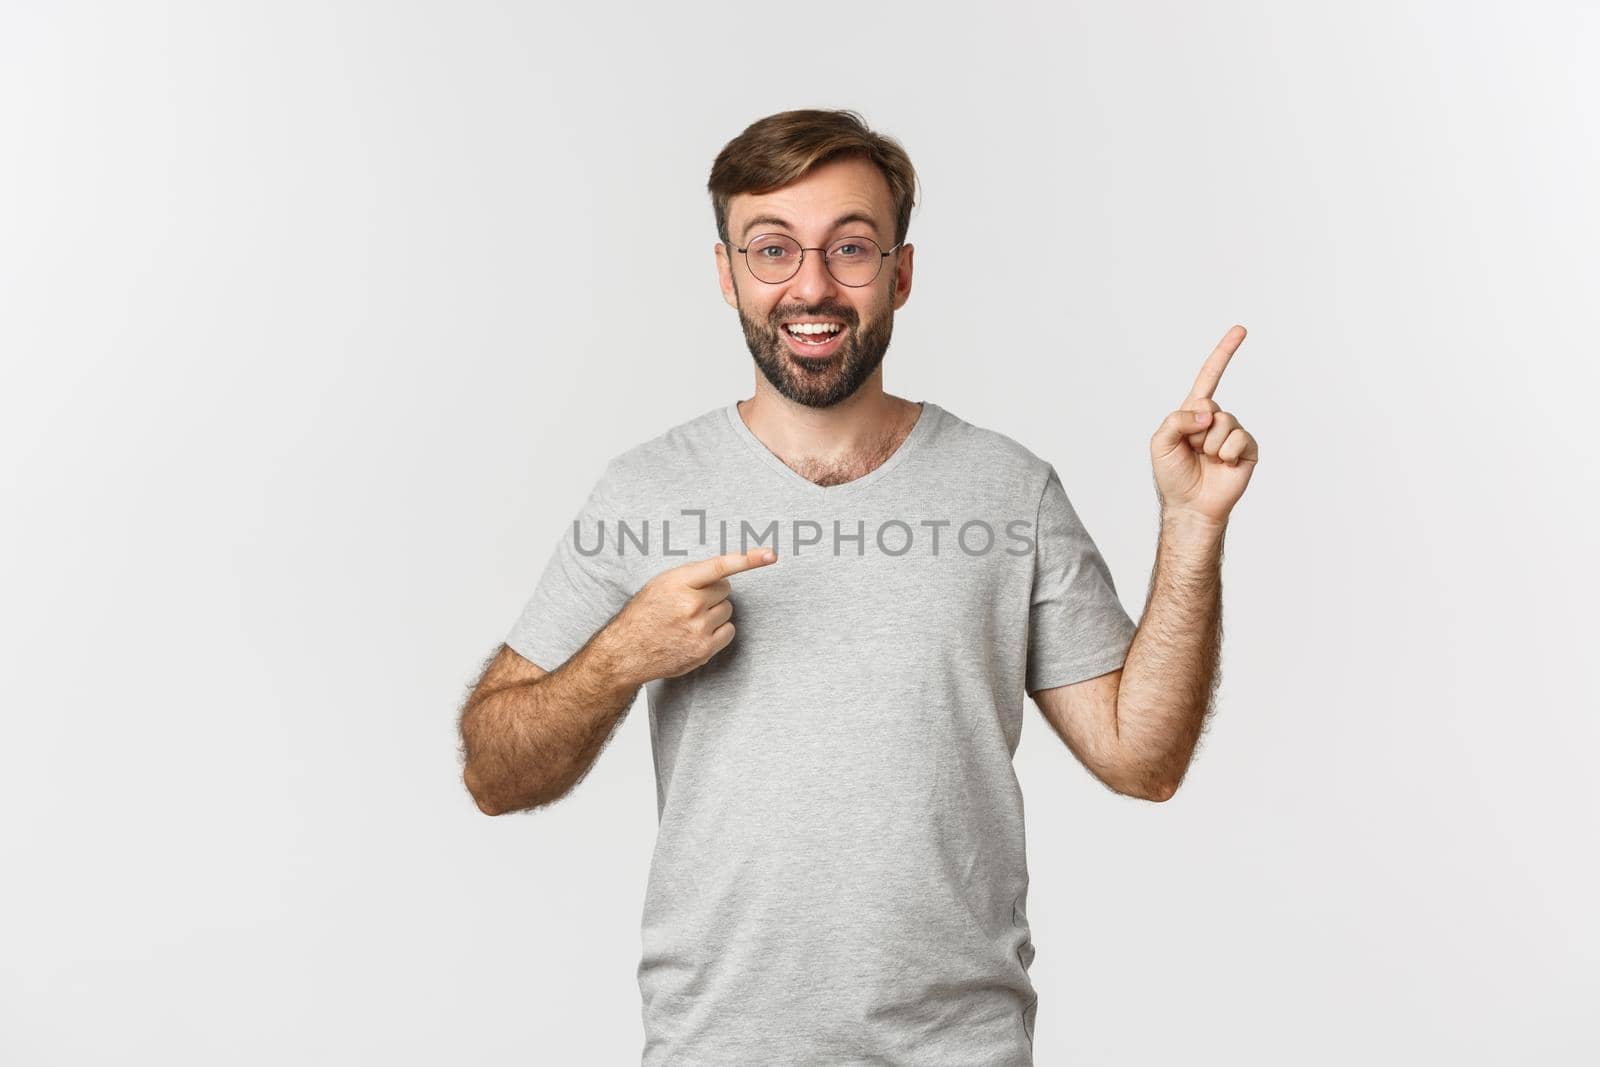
[
  {"x": 902, "y": 281},
  {"x": 725, "y": 276}
]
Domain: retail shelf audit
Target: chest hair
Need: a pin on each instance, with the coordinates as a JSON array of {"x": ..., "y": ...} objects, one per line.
[{"x": 838, "y": 470}]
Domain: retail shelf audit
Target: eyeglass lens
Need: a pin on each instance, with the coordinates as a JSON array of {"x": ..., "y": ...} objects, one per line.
[{"x": 852, "y": 260}]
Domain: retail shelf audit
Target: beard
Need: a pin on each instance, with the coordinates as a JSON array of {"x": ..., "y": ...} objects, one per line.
[{"x": 818, "y": 383}]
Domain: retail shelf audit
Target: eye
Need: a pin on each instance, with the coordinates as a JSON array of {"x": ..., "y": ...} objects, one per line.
[
  {"x": 848, "y": 250},
  {"x": 778, "y": 252}
]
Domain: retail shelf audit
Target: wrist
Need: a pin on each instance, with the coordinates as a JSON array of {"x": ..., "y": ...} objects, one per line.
[
  {"x": 1191, "y": 524},
  {"x": 610, "y": 651}
]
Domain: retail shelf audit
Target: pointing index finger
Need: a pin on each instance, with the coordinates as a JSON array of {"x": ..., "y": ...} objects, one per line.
[
  {"x": 707, "y": 571},
  {"x": 1211, "y": 371}
]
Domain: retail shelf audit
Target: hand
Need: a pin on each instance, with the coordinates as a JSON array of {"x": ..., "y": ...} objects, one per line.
[
  {"x": 1202, "y": 465},
  {"x": 679, "y": 619}
]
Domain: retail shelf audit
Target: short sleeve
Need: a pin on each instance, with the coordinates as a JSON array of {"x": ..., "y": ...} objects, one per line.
[
  {"x": 582, "y": 587},
  {"x": 1077, "y": 628}
]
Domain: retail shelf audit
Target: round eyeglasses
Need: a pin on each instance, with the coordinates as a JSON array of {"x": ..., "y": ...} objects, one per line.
[{"x": 854, "y": 261}]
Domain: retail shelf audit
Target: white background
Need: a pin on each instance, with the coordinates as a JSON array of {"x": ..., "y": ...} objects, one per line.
[{"x": 315, "y": 334}]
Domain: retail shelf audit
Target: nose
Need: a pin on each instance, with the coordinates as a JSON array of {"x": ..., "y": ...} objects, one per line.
[{"x": 813, "y": 283}]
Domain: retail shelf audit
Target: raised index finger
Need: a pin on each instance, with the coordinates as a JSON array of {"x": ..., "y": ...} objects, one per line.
[
  {"x": 706, "y": 571},
  {"x": 1211, "y": 370}
]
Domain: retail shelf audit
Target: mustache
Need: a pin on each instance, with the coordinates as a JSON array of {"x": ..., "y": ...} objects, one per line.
[{"x": 844, "y": 315}]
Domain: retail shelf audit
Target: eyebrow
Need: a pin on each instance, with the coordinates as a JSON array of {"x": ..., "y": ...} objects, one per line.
[{"x": 773, "y": 220}]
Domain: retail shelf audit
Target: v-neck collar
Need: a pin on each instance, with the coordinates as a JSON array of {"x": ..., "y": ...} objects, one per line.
[{"x": 919, "y": 431}]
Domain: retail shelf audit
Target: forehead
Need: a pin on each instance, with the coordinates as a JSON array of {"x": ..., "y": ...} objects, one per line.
[{"x": 813, "y": 203}]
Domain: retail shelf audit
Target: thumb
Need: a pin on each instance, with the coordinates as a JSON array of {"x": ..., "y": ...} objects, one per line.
[{"x": 1178, "y": 425}]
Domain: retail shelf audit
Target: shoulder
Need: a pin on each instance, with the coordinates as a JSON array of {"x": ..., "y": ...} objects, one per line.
[
  {"x": 992, "y": 451},
  {"x": 679, "y": 451}
]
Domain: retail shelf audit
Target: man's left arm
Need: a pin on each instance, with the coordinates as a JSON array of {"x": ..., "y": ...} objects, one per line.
[
  {"x": 1171, "y": 671},
  {"x": 1136, "y": 728}
]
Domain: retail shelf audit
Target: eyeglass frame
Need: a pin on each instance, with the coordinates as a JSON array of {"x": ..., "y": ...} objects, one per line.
[{"x": 882, "y": 255}]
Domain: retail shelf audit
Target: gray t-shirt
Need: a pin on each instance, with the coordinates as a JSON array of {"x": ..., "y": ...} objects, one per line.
[{"x": 839, "y": 873}]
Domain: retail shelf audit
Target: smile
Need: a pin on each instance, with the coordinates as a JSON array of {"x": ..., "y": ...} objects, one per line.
[{"x": 814, "y": 341}]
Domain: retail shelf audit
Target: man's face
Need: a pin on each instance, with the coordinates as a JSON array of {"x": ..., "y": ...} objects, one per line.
[{"x": 817, "y": 376}]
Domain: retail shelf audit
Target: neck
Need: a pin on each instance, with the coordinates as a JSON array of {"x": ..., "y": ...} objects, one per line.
[{"x": 857, "y": 426}]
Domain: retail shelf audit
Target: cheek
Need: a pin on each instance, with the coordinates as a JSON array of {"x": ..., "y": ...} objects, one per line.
[{"x": 759, "y": 316}]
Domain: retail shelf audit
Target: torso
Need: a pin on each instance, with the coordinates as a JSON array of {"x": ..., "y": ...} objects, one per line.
[{"x": 839, "y": 869}]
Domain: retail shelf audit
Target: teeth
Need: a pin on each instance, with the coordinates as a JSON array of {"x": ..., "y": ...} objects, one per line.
[{"x": 814, "y": 327}]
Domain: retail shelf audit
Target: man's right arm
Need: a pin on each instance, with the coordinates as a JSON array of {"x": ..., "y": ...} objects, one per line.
[{"x": 530, "y": 735}]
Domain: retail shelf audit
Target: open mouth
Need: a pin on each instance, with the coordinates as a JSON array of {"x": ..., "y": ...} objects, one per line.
[{"x": 814, "y": 340}]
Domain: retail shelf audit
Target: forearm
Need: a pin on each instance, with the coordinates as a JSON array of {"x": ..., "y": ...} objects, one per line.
[
  {"x": 529, "y": 744},
  {"x": 1171, "y": 671}
]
